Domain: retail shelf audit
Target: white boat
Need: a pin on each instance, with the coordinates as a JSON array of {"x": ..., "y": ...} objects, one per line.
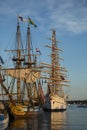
[
  {"x": 55, "y": 98},
  {"x": 4, "y": 117},
  {"x": 55, "y": 103}
]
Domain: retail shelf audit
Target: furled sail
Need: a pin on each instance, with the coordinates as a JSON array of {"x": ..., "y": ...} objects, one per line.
[{"x": 26, "y": 74}]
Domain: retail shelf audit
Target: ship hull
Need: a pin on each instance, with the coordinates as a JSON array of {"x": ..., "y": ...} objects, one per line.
[
  {"x": 55, "y": 103},
  {"x": 23, "y": 110}
]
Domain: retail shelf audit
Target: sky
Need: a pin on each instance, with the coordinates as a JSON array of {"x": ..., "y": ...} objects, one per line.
[{"x": 68, "y": 18}]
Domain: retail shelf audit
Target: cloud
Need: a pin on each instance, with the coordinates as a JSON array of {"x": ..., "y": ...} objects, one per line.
[{"x": 67, "y": 16}]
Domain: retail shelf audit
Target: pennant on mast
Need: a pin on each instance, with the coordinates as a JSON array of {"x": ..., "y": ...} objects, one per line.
[
  {"x": 29, "y": 20},
  {"x": 22, "y": 19}
]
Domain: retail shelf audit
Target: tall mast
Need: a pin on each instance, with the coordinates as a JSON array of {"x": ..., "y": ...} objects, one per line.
[
  {"x": 28, "y": 43},
  {"x": 53, "y": 60},
  {"x": 18, "y": 35},
  {"x": 18, "y": 60},
  {"x": 55, "y": 63},
  {"x": 30, "y": 56},
  {"x": 56, "y": 79},
  {"x": 18, "y": 63}
]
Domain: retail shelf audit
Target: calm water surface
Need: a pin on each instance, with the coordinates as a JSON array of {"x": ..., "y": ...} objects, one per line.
[{"x": 74, "y": 118}]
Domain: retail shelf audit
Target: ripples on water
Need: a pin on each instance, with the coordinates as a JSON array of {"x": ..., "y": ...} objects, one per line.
[{"x": 74, "y": 118}]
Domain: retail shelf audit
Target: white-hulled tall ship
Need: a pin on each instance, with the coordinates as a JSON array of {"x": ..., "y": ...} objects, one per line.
[{"x": 55, "y": 98}]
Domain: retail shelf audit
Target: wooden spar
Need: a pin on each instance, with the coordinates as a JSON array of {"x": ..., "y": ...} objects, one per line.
[
  {"x": 54, "y": 83},
  {"x": 50, "y": 65},
  {"x": 30, "y": 54},
  {"x": 50, "y": 72},
  {"x": 56, "y": 79},
  {"x": 56, "y": 49},
  {"x": 55, "y": 57},
  {"x": 15, "y": 50},
  {"x": 33, "y": 68},
  {"x": 63, "y": 70}
]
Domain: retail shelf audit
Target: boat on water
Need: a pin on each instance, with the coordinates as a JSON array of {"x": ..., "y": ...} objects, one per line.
[
  {"x": 24, "y": 90},
  {"x": 4, "y": 117},
  {"x": 82, "y": 105},
  {"x": 55, "y": 99}
]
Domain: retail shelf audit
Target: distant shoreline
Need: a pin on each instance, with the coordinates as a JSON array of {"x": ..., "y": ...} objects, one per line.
[
  {"x": 69, "y": 102},
  {"x": 77, "y": 102}
]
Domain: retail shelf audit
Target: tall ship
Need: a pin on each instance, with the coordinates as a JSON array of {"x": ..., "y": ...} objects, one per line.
[
  {"x": 24, "y": 85},
  {"x": 56, "y": 79}
]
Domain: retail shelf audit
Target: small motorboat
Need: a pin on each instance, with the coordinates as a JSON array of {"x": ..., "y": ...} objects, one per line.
[{"x": 4, "y": 117}]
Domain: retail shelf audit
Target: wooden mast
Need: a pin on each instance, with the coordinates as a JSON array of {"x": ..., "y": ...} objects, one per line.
[
  {"x": 30, "y": 60},
  {"x": 18, "y": 64},
  {"x": 54, "y": 61},
  {"x": 18, "y": 60}
]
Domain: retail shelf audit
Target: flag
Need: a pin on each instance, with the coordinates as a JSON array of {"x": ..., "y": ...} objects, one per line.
[
  {"x": 37, "y": 50},
  {"x": 1, "y": 60},
  {"x": 27, "y": 20},
  {"x": 31, "y": 22},
  {"x": 22, "y": 19}
]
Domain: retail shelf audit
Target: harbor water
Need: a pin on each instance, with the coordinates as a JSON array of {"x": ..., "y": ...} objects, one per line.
[{"x": 74, "y": 118}]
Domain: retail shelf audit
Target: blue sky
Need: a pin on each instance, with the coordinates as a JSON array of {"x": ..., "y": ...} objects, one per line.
[{"x": 68, "y": 17}]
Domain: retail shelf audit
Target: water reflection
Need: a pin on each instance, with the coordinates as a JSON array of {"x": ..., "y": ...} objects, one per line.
[
  {"x": 31, "y": 123},
  {"x": 58, "y": 120},
  {"x": 72, "y": 119},
  {"x": 45, "y": 121}
]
